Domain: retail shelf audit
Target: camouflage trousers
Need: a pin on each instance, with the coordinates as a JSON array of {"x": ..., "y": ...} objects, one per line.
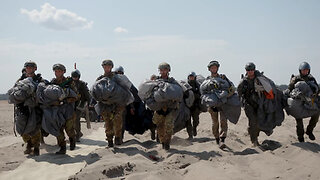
[
  {"x": 165, "y": 125},
  {"x": 312, "y": 124},
  {"x": 69, "y": 128},
  {"x": 113, "y": 122},
  {"x": 253, "y": 128},
  {"x": 34, "y": 140},
  {"x": 215, "y": 124}
]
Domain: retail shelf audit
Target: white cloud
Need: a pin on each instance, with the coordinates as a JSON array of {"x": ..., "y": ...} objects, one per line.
[
  {"x": 57, "y": 19},
  {"x": 120, "y": 30}
]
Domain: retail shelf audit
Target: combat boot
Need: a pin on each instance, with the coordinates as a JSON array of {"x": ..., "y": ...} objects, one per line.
[
  {"x": 28, "y": 149},
  {"x": 153, "y": 134},
  {"x": 72, "y": 144},
  {"x": 118, "y": 140},
  {"x": 222, "y": 144},
  {"x": 36, "y": 151},
  {"x": 311, "y": 135},
  {"x": 63, "y": 150},
  {"x": 166, "y": 146},
  {"x": 194, "y": 131},
  {"x": 218, "y": 140},
  {"x": 110, "y": 143}
]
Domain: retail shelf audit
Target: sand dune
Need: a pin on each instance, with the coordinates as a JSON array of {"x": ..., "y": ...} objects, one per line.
[{"x": 279, "y": 157}]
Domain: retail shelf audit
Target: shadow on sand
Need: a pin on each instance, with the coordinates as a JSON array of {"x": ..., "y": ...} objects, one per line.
[{"x": 309, "y": 146}]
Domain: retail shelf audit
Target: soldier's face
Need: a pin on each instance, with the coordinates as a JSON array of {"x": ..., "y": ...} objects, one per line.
[
  {"x": 75, "y": 78},
  {"x": 305, "y": 72},
  {"x": 164, "y": 73},
  {"x": 250, "y": 73},
  {"x": 213, "y": 69},
  {"x": 58, "y": 73},
  {"x": 107, "y": 68},
  {"x": 30, "y": 70},
  {"x": 191, "y": 78}
]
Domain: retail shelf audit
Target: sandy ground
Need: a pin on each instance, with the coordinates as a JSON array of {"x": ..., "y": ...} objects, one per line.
[{"x": 280, "y": 157}]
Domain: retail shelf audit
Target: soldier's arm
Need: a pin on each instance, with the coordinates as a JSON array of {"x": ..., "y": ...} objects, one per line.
[
  {"x": 86, "y": 92},
  {"x": 293, "y": 81}
]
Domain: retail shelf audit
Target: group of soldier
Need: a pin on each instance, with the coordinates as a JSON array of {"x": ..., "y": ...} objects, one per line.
[{"x": 164, "y": 118}]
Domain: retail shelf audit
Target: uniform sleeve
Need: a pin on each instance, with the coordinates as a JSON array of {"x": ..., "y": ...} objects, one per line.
[
  {"x": 85, "y": 92},
  {"x": 293, "y": 81}
]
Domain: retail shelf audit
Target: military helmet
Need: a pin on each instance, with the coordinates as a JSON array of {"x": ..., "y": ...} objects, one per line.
[
  {"x": 304, "y": 65},
  {"x": 192, "y": 74},
  {"x": 250, "y": 66},
  {"x": 119, "y": 69},
  {"x": 59, "y": 67},
  {"x": 30, "y": 64},
  {"x": 76, "y": 73},
  {"x": 164, "y": 65},
  {"x": 107, "y": 62},
  {"x": 213, "y": 63}
]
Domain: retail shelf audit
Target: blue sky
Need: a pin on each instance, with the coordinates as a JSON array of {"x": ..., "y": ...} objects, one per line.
[{"x": 277, "y": 35}]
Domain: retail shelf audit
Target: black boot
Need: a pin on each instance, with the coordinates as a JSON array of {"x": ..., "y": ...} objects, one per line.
[
  {"x": 63, "y": 150},
  {"x": 72, "y": 144},
  {"x": 28, "y": 149},
  {"x": 194, "y": 131},
  {"x": 301, "y": 138},
  {"x": 153, "y": 134},
  {"x": 218, "y": 140},
  {"x": 36, "y": 151},
  {"x": 222, "y": 144},
  {"x": 110, "y": 143},
  {"x": 166, "y": 146},
  {"x": 311, "y": 135},
  {"x": 118, "y": 140}
]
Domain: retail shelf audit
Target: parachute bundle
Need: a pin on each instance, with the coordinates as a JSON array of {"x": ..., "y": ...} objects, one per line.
[
  {"x": 302, "y": 102},
  {"x": 183, "y": 116},
  {"x": 23, "y": 96},
  {"x": 48, "y": 94},
  {"x": 158, "y": 94},
  {"x": 190, "y": 97},
  {"x": 216, "y": 93},
  {"x": 109, "y": 91},
  {"x": 22, "y": 91},
  {"x": 54, "y": 117},
  {"x": 270, "y": 109}
]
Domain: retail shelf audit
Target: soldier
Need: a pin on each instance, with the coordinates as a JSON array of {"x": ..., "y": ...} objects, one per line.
[
  {"x": 249, "y": 96},
  {"x": 304, "y": 75},
  {"x": 194, "y": 109},
  {"x": 164, "y": 118},
  {"x": 213, "y": 67},
  {"x": 113, "y": 119},
  {"x": 32, "y": 140},
  {"x": 84, "y": 97},
  {"x": 65, "y": 82}
]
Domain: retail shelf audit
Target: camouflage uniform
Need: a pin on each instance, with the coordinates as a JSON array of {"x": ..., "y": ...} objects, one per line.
[
  {"x": 69, "y": 125},
  {"x": 32, "y": 140},
  {"x": 84, "y": 96},
  {"x": 314, "y": 119},
  {"x": 113, "y": 119},
  {"x": 215, "y": 118},
  {"x": 164, "y": 120},
  {"x": 250, "y": 98}
]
